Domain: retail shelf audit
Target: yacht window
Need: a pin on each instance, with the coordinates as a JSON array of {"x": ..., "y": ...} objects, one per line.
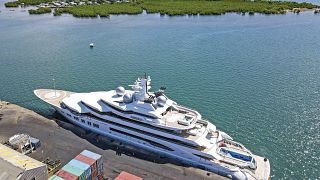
[
  {"x": 63, "y": 106},
  {"x": 203, "y": 157},
  {"x": 96, "y": 125}
]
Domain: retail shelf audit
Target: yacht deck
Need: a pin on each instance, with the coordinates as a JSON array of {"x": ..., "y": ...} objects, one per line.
[
  {"x": 55, "y": 97},
  {"x": 172, "y": 117},
  {"x": 263, "y": 167},
  {"x": 51, "y": 96}
]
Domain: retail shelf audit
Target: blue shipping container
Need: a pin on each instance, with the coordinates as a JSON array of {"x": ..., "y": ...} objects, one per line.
[
  {"x": 83, "y": 166},
  {"x": 75, "y": 171}
]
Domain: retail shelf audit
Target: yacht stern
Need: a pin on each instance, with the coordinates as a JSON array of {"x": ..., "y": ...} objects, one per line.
[{"x": 263, "y": 171}]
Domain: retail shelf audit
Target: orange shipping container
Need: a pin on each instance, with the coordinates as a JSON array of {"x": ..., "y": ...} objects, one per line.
[
  {"x": 66, "y": 175},
  {"x": 88, "y": 161},
  {"x": 127, "y": 176}
]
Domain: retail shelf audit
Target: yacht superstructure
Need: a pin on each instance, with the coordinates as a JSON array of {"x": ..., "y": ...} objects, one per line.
[{"x": 153, "y": 121}]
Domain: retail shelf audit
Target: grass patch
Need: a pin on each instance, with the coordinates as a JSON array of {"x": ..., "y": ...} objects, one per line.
[{"x": 41, "y": 10}]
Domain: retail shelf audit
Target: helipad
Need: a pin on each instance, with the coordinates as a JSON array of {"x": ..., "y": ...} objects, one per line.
[{"x": 52, "y": 96}]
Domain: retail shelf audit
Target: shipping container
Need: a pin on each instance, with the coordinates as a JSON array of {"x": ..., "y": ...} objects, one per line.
[
  {"x": 90, "y": 177},
  {"x": 74, "y": 170},
  {"x": 94, "y": 174},
  {"x": 55, "y": 177},
  {"x": 91, "y": 154},
  {"x": 66, "y": 175},
  {"x": 100, "y": 169},
  {"x": 88, "y": 161},
  {"x": 83, "y": 166},
  {"x": 100, "y": 177},
  {"x": 96, "y": 157},
  {"x": 127, "y": 176}
]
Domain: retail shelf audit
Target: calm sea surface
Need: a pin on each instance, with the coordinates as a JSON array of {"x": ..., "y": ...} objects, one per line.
[{"x": 255, "y": 77}]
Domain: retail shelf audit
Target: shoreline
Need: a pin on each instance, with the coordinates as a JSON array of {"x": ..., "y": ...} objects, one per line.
[{"x": 93, "y": 9}]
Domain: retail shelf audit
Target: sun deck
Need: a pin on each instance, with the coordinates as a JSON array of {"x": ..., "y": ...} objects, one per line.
[{"x": 172, "y": 118}]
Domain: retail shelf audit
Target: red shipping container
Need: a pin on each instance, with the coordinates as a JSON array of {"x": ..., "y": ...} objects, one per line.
[
  {"x": 88, "y": 161},
  {"x": 127, "y": 176},
  {"x": 94, "y": 174},
  {"x": 100, "y": 177},
  {"x": 66, "y": 175}
]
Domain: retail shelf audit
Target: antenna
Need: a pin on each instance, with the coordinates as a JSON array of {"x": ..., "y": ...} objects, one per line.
[
  {"x": 146, "y": 82},
  {"x": 54, "y": 86}
]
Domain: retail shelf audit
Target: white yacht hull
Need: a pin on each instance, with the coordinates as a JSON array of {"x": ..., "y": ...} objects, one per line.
[
  {"x": 203, "y": 164},
  {"x": 163, "y": 141}
]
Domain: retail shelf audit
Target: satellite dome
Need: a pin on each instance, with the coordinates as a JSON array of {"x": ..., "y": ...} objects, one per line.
[
  {"x": 161, "y": 101},
  {"x": 127, "y": 98},
  {"x": 120, "y": 91}
]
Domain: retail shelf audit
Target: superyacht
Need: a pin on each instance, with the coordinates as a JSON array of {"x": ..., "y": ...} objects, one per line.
[{"x": 153, "y": 121}]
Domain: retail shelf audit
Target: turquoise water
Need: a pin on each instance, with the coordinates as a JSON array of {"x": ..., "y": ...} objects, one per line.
[{"x": 255, "y": 77}]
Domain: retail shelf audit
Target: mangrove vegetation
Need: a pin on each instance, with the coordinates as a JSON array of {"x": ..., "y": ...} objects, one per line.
[
  {"x": 25, "y": 2},
  {"x": 193, "y": 7},
  {"x": 103, "y": 8},
  {"x": 41, "y": 10}
]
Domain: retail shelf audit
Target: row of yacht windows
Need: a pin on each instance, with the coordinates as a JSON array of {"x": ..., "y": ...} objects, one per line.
[
  {"x": 83, "y": 121},
  {"x": 144, "y": 139},
  {"x": 203, "y": 157},
  {"x": 122, "y": 132},
  {"x": 141, "y": 131},
  {"x": 147, "y": 133},
  {"x": 127, "y": 112},
  {"x": 131, "y": 120}
]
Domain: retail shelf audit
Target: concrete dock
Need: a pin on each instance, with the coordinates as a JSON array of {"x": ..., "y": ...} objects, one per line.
[{"x": 62, "y": 140}]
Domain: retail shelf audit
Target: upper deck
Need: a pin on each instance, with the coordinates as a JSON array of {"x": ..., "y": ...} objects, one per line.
[{"x": 104, "y": 102}]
